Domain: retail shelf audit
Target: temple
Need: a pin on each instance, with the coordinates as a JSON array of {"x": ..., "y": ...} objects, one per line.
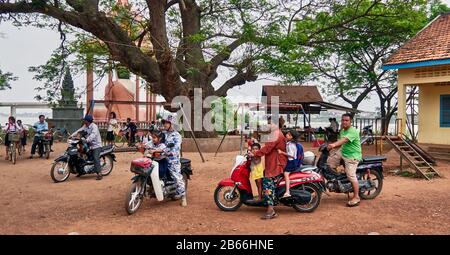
[{"x": 122, "y": 88}]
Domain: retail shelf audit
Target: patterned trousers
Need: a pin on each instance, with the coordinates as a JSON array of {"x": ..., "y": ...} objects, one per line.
[
  {"x": 268, "y": 190},
  {"x": 175, "y": 172}
]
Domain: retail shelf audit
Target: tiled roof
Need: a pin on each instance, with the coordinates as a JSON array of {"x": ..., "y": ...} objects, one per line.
[
  {"x": 432, "y": 43},
  {"x": 293, "y": 93}
]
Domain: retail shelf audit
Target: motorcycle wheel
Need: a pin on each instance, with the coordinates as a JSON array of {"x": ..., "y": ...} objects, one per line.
[
  {"x": 107, "y": 164},
  {"x": 60, "y": 171},
  {"x": 47, "y": 151},
  {"x": 223, "y": 200},
  {"x": 377, "y": 179},
  {"x": 133, "y": 199},
  {"x": 315, "y": 198}
]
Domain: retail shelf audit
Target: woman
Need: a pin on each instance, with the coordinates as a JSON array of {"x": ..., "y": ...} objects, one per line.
[
  {"x": 112, "y": 125},
  {"x": 274, "y": 166},
  {"x": 24, "y": 133},
  {"x": 11, "y": 127}
]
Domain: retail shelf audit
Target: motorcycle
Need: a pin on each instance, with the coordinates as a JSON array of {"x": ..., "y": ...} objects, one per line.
[
  {"x": 367, "y": 135},
  {"x": 369, "y": 174},
  {"x": 305, "y": 187},
  {"x": 149, "y": 182},
  {"x": 44, "y": 140},
  {"x": 77, "y": 159}
]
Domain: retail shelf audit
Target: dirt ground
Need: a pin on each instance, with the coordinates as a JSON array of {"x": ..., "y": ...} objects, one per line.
[{"x": 30, "y": 203}]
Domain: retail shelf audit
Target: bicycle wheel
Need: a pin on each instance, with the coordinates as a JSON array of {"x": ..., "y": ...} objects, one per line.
[
  {"x": 13, "y": 153},
  {"x": 58, "y": 136},
  {"x": 120, "y": 141}
]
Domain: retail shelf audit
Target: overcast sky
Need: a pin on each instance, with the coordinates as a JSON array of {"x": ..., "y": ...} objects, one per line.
[{"x": 23, "y": 47}]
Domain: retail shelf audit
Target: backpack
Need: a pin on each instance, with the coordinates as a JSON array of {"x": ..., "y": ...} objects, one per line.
[{"x": 300, "y": 154}]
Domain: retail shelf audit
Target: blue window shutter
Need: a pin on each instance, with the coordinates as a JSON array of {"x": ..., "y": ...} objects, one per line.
[{"x": 445, "y": 110}]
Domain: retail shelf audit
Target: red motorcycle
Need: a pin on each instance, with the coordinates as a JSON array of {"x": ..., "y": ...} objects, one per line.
[{"x": 306, "y": 188}]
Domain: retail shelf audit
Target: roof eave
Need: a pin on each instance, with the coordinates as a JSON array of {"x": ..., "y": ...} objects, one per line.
[{"x": 435, "y": 62}]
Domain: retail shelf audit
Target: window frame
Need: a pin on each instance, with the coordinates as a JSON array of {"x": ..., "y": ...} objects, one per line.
[{"x": 441, "y": 111}]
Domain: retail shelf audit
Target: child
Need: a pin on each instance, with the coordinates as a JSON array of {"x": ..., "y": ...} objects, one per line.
[
  {"x": 294, "y": 152},
  {"x": 24, "y": 132},
  {"x": 155, "y": 147},
  {"x": 146, "y": 137},
  {"x": 257, "y": 169}
]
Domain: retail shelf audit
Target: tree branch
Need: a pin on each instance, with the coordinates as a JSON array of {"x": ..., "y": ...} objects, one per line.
[{"x": 239, "y": 79}]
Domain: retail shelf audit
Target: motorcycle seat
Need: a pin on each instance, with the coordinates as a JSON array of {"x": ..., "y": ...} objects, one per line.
[
  {"x": 371, "y": 159},
  {"x": 304, "y": 168},
  {"x": 185, "y": 161},
  {"x": 107, "y": 147}
]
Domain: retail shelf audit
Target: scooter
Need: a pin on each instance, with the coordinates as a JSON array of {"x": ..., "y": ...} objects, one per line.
[
  {"x": 305, "y": 188},
  {"x": 78, "y": 160},
  {"x": 152, "y": 181},
  {"x": 369, "y": 174}
]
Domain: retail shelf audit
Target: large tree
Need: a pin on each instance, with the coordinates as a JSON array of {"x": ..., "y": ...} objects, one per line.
[
  {"x": 348, "y": 61},
  {"x": 192, "y": 41}
]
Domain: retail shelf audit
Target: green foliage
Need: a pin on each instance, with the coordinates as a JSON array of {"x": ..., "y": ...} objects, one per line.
[
  {"x": 223, "y": 114},
  {"x": 437, "y": 7},
  {"x": 123, "y": 72},
  {"x": 5, "y": 80}
]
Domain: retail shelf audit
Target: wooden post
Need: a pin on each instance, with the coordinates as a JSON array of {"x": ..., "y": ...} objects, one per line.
[
  {"x": 192, "y": 133},
  {"x": 89, "y": 80},
  {"x": 401, "y": 164},
  {"x": 136, "y": 98},
  {"x": 226, "y": 130}
]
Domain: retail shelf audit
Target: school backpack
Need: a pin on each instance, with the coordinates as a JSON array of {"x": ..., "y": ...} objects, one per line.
[{"x": 300, "y": 154}]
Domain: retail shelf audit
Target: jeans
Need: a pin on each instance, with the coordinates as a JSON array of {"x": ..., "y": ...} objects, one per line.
[
  {"x": 96, "y": 157},
  {"x": 35, "y": 143}
]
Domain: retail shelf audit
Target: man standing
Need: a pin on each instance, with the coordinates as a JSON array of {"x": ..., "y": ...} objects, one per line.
[
  {"x": 173, "y": 143},
  {"x": 40, "y": 126},
  {"x": 274, "y": 166},
  {"x": 94, "y": 140},
  {"x": 350, "y": 152}
]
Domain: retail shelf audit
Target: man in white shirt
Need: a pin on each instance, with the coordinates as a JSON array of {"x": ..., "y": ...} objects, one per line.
[{"x": 94, "y": 140}]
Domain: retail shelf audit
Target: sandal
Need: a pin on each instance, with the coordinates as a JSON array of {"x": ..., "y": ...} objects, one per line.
[
  {"x": 352, "y": 203},
  {"x": 286, "y": 195},
  {"x": 269, "y": 216}
]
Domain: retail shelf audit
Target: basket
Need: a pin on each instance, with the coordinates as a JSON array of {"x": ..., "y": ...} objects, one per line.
[{"x": 13, "y": 137}]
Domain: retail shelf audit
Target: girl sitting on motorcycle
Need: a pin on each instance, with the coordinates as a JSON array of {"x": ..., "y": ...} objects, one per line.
[{"x": 155, "y": 148}]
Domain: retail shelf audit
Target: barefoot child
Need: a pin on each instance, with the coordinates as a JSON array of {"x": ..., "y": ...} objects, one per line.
[
  {"x": 257, "y": 168},
  {"x": 294, "y": 152}
]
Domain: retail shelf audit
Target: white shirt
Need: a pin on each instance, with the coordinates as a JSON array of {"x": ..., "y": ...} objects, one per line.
[
  {"x": 12, "y": 127},
  {"x": 93, "y": 135},
  {"x": 291, "y": 150},
  {"x": 112, "y": 123}
]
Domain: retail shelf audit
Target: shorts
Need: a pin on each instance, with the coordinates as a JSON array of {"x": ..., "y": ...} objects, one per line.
[
  {"x": 291, "y": 166},
  {"x": 110, "y": 136},
  {"x": 350, "y": 164}
]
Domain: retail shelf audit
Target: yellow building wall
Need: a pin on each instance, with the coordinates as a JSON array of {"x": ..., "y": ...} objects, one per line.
[
  {"x": 429, "y": 101},
  {"x": 429, "y": 114}
]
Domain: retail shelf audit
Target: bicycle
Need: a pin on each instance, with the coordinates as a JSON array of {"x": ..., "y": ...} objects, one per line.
[
  {"x": 120, "y": 140},
  {"x": 14, "y": 139},
  {"x": 61, "y": 135}
]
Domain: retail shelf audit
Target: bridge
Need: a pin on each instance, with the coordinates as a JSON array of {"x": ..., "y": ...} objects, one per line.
[{"x": 28, "y": 105}]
